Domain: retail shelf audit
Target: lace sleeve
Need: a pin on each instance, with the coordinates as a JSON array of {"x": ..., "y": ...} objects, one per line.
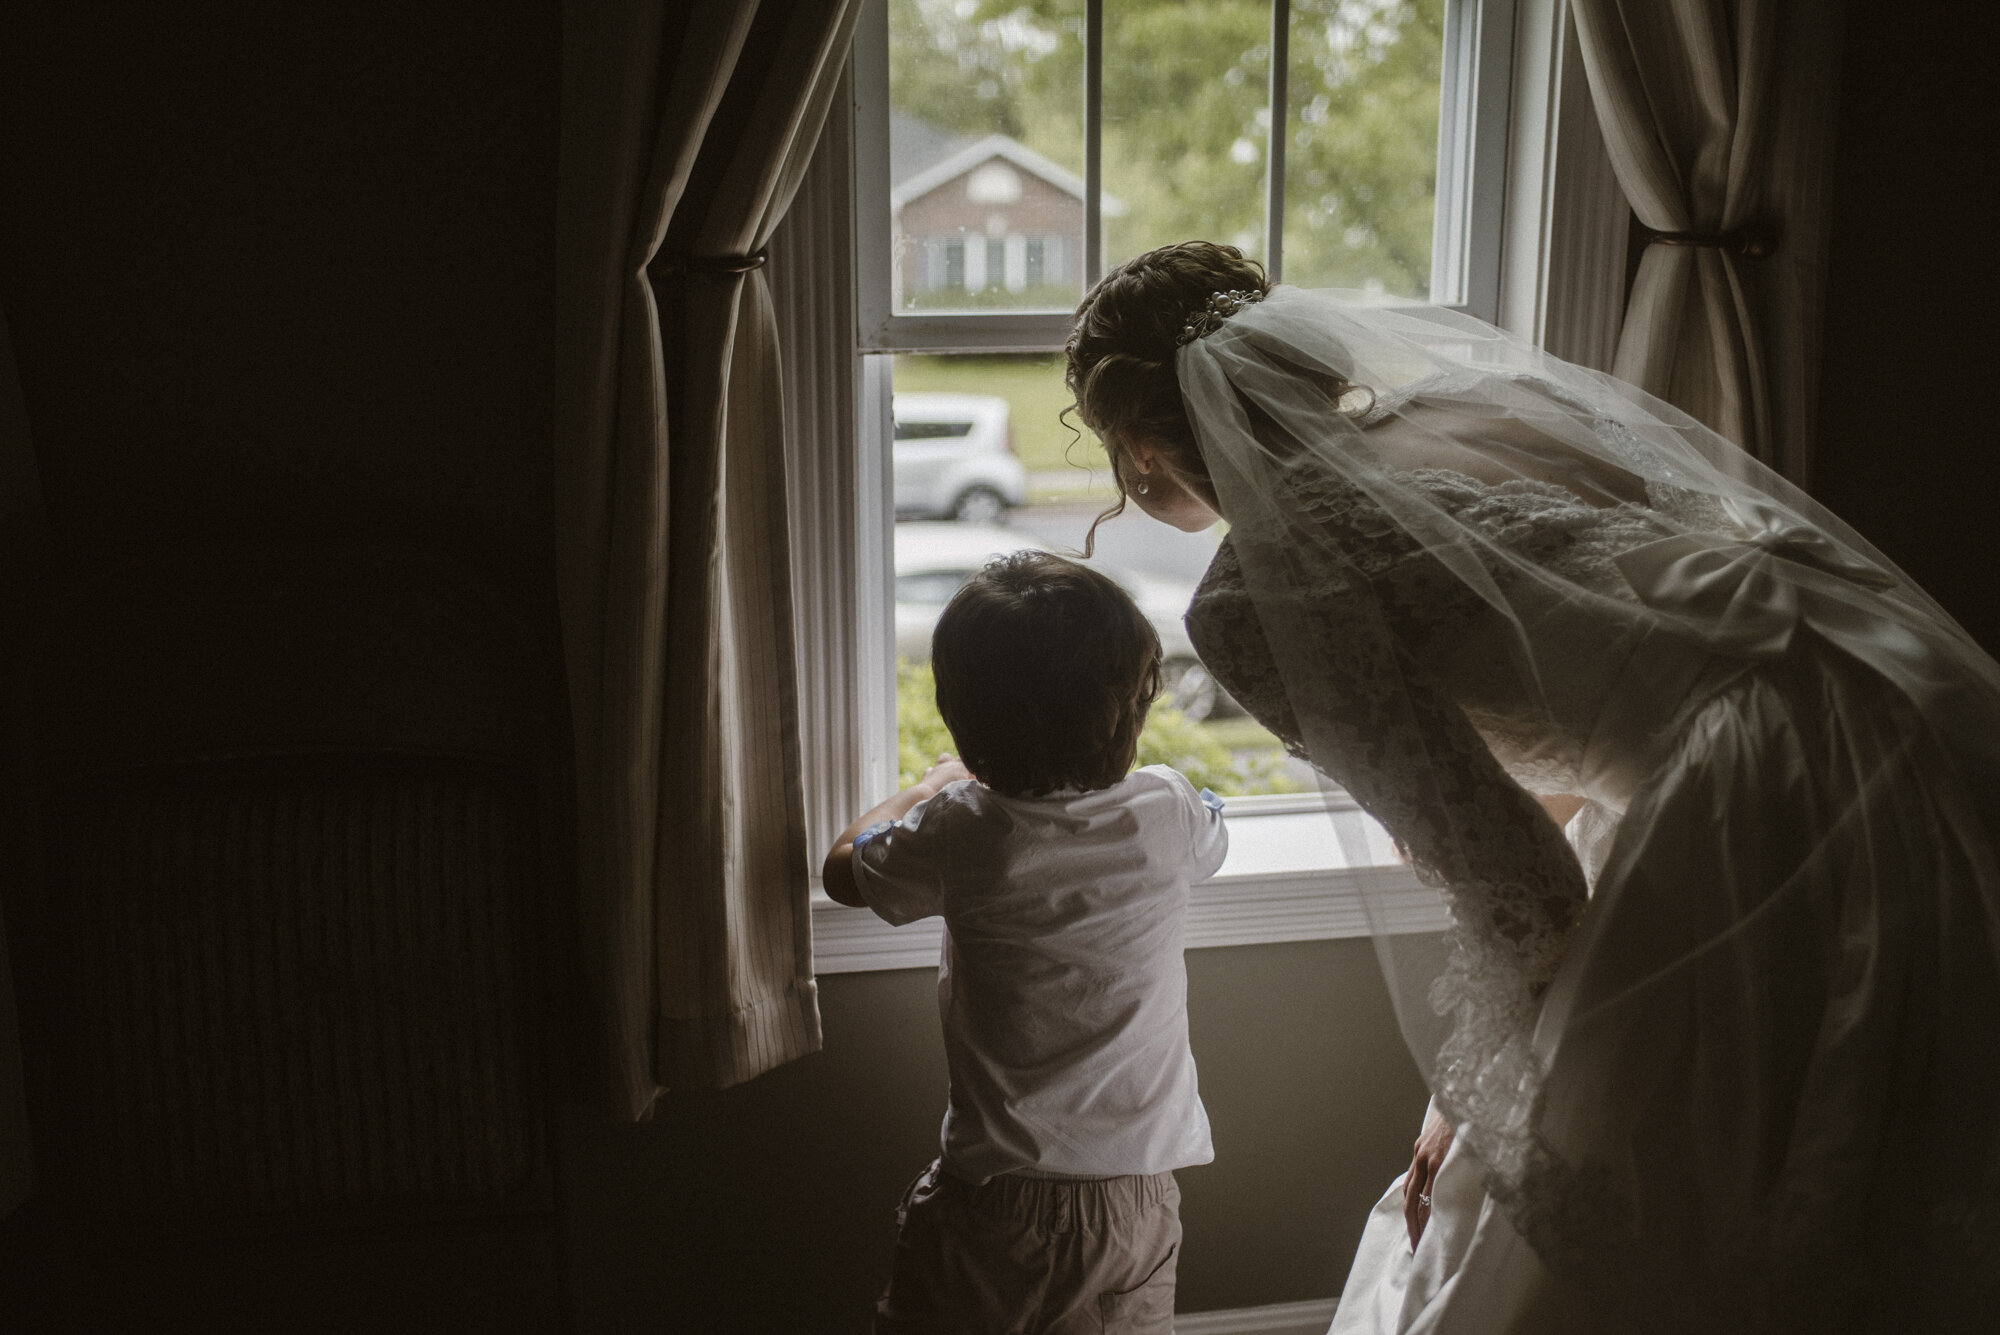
[
  {"x": 1409, "y": 757},
  {"x": 1408, "y": 754}
]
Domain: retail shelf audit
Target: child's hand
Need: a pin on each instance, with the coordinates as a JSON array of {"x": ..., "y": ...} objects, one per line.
[{"x": 949, "y": 769}]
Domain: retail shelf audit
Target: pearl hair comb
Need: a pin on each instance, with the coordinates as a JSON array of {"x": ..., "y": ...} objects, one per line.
[{"x": 1221, "y": 305}]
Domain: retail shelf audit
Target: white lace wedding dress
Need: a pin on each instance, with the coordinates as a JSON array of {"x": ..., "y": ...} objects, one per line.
[{"x": 1732, "y": 1063}]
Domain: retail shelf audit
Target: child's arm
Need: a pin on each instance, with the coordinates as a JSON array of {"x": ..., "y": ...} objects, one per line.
[{"x": 837, "y": 874}]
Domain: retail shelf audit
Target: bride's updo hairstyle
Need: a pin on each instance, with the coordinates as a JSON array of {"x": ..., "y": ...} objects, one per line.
[{"x": 1120, "y": 352}]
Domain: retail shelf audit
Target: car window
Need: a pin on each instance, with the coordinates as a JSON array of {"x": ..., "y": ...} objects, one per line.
[
  {"x": 932, "y": 587},
  {"x": 931, "y": 430}
]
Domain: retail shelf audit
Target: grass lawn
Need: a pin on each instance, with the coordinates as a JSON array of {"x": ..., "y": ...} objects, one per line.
[{"x": 1032, "y": 384}]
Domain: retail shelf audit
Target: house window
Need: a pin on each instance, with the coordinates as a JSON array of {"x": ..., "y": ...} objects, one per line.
[{"x": 1002, "y": 157}]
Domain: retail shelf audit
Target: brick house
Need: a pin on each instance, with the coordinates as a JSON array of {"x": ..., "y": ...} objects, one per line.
[{"x": 973, "y": 214}]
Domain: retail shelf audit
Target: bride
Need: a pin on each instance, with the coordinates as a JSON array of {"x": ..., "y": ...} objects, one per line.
[{"x": 1723, "y": 1054}]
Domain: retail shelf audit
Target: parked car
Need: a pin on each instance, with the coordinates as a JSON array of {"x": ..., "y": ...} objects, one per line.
[
  {"x": 933, "y": 560},
  {"x": 953, "y": 458}
]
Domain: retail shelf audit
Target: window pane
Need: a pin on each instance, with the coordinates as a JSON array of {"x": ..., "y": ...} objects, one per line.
[
  {"x": 1186, "y": 88},
  {"x": 986, "y": 154},
  {"x": 1054, "y": 481},
  {"x": 1361, "y": 157}
]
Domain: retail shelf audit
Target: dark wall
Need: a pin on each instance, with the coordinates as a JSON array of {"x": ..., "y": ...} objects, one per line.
[
  {"x": 1907, "y": 450},
  {"x": 285, "y": 271},
  {"x": 771, "y": 1207},
  {"x": 279, "y": 280}
]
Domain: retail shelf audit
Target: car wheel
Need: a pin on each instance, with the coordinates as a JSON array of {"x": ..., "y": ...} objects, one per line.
[
  {"x": 979, "y": 505},
  {"x": 1190, "y": 689}
]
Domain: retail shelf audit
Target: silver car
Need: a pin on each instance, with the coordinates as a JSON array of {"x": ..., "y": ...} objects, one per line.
[
  {"x": 953, "y": 458},
  {"x": 933, "y": 560}
]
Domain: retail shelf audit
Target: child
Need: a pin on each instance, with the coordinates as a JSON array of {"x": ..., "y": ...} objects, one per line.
[{"x": 1063, "y": 883}]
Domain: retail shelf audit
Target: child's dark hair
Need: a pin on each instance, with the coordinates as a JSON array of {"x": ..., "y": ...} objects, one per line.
[{"x": 1045, "y": 669}]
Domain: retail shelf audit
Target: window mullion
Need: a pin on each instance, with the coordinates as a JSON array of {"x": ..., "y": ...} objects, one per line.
[
  {"x": 1274, "y": 181},
  {"x": 1093, "y": 141}
]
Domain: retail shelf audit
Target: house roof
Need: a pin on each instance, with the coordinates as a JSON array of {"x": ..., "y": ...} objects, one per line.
[
  {"x": 915, "y": 145},
  {"x": 923, "y": 157}
]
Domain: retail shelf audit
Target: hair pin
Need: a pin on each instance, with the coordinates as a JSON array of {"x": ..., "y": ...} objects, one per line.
[{"x": 1220, "y": 306}]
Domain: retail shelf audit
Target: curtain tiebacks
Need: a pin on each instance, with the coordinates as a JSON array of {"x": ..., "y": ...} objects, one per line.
[{"x": 1752, "y": 239}]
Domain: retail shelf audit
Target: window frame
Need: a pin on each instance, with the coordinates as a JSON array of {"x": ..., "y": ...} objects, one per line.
[
  {"x": 1473, "y": 124},
  {"x": 1551, "y": 270}
]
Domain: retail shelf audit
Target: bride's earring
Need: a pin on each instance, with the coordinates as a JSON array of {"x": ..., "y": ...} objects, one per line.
[{"x": 1144, "y": 486}]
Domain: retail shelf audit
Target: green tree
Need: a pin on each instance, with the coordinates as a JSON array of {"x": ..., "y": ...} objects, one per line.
[
  {"x": 1167, "y": 739},
  {"x": 1361, "y": 157},
  {"x": 1185, "y": 128},
  {"x": 921, "y": 736}
]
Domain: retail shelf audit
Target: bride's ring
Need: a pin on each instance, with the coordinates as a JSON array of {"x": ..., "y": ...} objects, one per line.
[{"x": 1423, "y": 1200}]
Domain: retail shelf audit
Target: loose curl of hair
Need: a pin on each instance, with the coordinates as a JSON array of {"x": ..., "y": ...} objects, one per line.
[
  {"x": 1120, "y": 352},
  {"x": 1045, "y": 669}
]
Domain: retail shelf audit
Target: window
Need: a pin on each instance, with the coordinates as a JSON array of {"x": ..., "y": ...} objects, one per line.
[
  {"x": 1000, "y": 156},
  {"x": 1356, "y": 143},
  {"x": 907, "y": 430},
  {"x": 930, "y": 588}
]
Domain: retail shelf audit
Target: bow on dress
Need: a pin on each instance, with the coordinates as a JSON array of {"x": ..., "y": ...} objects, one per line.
[{"x": 1747, "y": 596}]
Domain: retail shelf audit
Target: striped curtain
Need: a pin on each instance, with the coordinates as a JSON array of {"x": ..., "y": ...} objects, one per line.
[
  {"x": 1718, "y": 116},
  {"x": 686, "y": 130}
]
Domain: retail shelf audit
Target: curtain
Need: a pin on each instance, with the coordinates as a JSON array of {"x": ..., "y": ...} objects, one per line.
[
  {"x": 21, "y": 556},
  {"x": 1718, "y": 118},
  {"x": 686, "y": 130}
]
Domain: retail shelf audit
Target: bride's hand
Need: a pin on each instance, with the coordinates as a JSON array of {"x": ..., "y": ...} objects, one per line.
[{"x": 1425, "y": 1160}]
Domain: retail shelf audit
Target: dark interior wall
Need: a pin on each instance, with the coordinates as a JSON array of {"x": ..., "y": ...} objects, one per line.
[
  {"x": 285, "y": 271},
  {"x": 279, "y": 279},
  {"x": 1906, "y": 441},
  {"x": 771, "y": 1207}
]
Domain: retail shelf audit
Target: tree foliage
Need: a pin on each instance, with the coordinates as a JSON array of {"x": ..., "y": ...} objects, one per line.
[
  {"x": 1186, "y": 86},
  {"x": 1168, "y": 739}
]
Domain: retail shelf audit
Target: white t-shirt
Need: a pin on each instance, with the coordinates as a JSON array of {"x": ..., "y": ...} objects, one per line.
[{"x": 1062, "y": 988}]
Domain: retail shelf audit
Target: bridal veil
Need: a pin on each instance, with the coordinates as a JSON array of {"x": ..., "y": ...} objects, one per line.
[{"x": 1734, "y": 1062}]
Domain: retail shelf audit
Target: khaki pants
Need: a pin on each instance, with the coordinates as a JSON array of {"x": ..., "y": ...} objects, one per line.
[{"x": 1024, "y": 1256}]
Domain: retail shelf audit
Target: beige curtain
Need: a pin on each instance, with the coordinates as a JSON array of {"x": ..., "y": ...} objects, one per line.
[
  {"x": 21, "y": 561},
  {"x": 1718, "y": 118},
  {"x": 686, "y": 129}
]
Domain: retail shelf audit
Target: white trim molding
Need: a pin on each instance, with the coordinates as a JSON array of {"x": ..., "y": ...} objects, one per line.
[
  {"x": 1299, "y": 869},
  {"x": 1562, "y": 266},
  {"x": 1307, "y": 1318},
  {"x": 1473, "y": 104}
]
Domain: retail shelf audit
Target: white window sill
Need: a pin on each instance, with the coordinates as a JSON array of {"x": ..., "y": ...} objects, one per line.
[{"x": 1298, "y": 870}]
